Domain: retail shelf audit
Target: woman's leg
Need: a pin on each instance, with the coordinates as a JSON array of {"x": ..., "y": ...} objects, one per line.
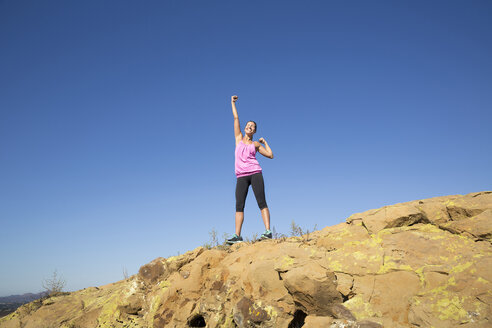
[
  {"x": 242, "y": 186},
  {"x": 259, "y": 189},
  {"x": 239, "y": 222},
  {"x": 265, "y": 215}
]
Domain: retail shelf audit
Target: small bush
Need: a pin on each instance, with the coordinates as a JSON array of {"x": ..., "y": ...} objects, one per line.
[
  {"x": 296, "y": 230},
  {"x": 54, "y": 284},
  {"x": 125, "y": 273},
  {"x": 214, "y": 241},
  {"x": 276, "y": 235}
]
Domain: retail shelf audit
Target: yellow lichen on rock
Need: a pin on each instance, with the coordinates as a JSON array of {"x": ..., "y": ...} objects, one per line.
[
  {"x": 362, "y": 310},
  {"x": 109, "y": 313},
  {"x": 285, "y": 263},
  {"x": 483, "y": 281},
  {"x": 451, "y": 308},
  {"x": 165, "y": 284},
  {"x": 154, "y": 306}
]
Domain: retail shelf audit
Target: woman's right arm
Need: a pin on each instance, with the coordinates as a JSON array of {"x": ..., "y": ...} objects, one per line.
[{"x": 237, "y": 127}]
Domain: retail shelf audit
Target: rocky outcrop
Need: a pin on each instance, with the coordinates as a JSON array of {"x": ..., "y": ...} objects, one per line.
[{"x": 424, "y": 263}]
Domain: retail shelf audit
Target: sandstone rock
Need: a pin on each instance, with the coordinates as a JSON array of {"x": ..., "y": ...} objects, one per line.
[
  {"x": 313, "y": 289},
  {"x": 369, "y": 324},
  {"x": 335, "y": 237},
  {"x": 153, "y": 271},
  {"x": 247, "y": 313},
  {"x": 341, "y": 312},
  {"x": 354, "y": 324},
  {"x": 477, "y": 226},
  {"x": 425, "y": 263},
  {"x": 390, "y": 217},
  {"x": 160, "y": 268},
  {"x": 345, "y": 282},
  {"x": 317, "y": 322}
]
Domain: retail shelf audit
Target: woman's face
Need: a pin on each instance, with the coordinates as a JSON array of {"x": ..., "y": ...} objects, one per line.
[{"x": 250, "y": 128}]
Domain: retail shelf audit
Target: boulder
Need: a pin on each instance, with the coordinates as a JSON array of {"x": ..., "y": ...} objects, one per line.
[{"x": 313, "y": 289}]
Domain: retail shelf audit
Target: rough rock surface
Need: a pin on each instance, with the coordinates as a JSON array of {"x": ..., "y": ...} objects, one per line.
[{"x": 423, "y": 263}]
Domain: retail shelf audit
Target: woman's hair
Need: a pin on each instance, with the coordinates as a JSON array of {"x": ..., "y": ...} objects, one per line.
[{"x": 256, "y": 125}]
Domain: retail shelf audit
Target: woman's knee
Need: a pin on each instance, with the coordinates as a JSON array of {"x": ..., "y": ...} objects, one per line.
[{"x": 262, "y": 204}]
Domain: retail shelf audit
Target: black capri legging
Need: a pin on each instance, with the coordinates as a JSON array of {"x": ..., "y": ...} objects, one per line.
[{"x": 242, "y": 186}]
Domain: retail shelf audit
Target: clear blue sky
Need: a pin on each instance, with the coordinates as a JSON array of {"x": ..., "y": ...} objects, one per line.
[{"x": 116, "y": 131}]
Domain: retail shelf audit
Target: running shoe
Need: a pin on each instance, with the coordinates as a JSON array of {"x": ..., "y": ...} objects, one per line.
[
  {"x": 235, "y": 239},
  {"x": 266, "y": 235}
]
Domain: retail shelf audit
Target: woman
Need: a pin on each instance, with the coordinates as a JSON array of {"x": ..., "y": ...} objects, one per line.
[{"x": 248, "y": 172}]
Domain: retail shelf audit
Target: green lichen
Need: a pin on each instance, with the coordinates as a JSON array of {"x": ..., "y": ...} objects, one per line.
[
  {"x": 156, "y": 302},
  {"x": 437, "y": 215},
  {"x": 447, "y": 305},
  {"x": 229, "y": 322},
  {"x": 361, "y": 310},
  {"x": 374, "y": 242},
  {"x": 270, "y": 310},
  {"x": 165, "y": 284},
  {"x": 432, "y": 232},
  {"x": 109, "y": 312},
  {"x": 378, "y": 238},
  {"x": 442, "y": 290},
  {"x": 9, "y": 317},
  {"x": 390, "y": 266},
  {"x": 461, "y": 267},
  {"x": 359, "y": 255},
  {"x": 172, "y": 259},
  {"x": 340, "y": 235},
  {"x": 416, "y": 300},
  {"x": 335, "y": 265},
  {"x": 451, "y": 308},
  {"x": 480, "y": 307},
  {"x": 483, "y": 281},
  {"x": 285, "y": 263},
  {"x": 420, "y": 273}
]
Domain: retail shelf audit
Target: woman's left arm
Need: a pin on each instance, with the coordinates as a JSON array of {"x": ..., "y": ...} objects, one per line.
[{"x": 265, "y": 151}]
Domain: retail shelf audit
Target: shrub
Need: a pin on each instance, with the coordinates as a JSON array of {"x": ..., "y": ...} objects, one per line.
[{"x": 54, "y": 284}]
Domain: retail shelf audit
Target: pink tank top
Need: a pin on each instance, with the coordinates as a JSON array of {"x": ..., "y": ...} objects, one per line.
[{"x": 246, "y": 162}]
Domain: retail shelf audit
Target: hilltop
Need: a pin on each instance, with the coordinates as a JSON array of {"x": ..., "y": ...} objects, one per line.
[
  {"x": 417, "y": 264},
  {"x": 9, "y": 304}
]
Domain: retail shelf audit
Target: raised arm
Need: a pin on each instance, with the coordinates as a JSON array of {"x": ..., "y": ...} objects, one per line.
[
  {"x": 265, "y": 151},
  {"x": 237, "y": 128}
]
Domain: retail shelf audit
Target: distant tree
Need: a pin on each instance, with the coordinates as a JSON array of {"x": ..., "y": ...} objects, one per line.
[{"x": 54, "y": 284}]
